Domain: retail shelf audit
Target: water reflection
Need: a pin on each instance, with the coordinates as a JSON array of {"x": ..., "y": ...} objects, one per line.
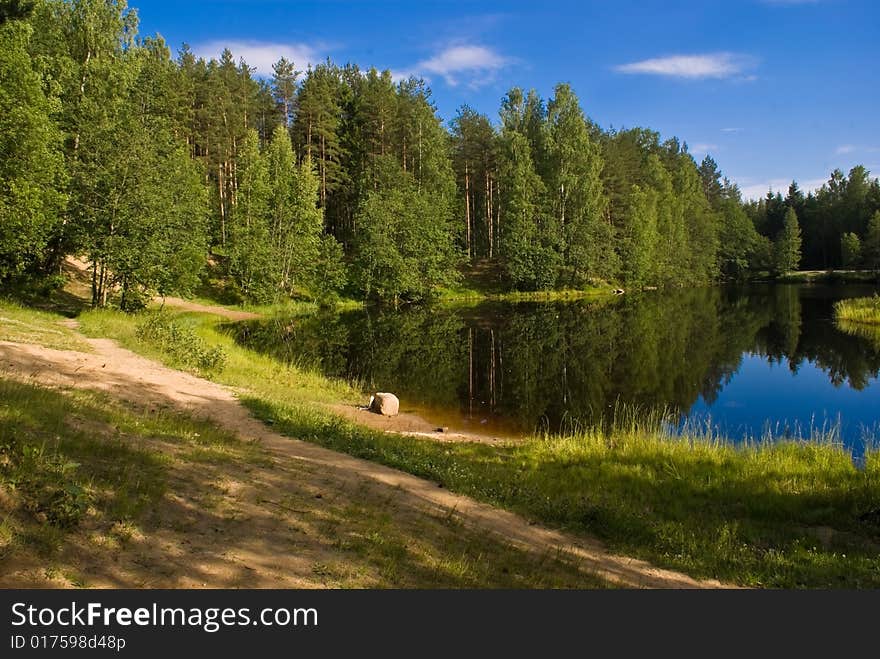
[{"x": 746, "y": 358}]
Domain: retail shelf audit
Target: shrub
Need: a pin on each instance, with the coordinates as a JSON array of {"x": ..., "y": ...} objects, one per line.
[{"x": 181, "y": 343}]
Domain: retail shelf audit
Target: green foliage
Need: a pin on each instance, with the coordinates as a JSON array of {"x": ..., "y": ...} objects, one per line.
[
  {"x": 787, "y": 248},
  {"x": 741, "y": 248},
  {"x": 147, "y": 165},
  {"x": 45, "y": 481},
  {"x": 851, "y": 250},
  {"x": 639, "y": 237},
  {"x": 845, "y": 204},
  {"x": 250, "y": 259},
  {"x": 404, "y": 246},
  {"x": 474, "y": 147},
  {"x": 577, "y": 200},
  {"x": 32, "y": 175},
  {"x": 181, "y": 342},
  {"x": 871, "y": 244},
  {"x": 329, "y": 275},
  {"x": 529, "y": 241},
  {"x": 276, "y": 241}
]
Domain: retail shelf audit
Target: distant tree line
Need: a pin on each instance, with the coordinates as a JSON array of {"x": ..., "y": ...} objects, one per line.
[
  {"x": 338, "y": 179},
  {"x": 840, "y": 222}
]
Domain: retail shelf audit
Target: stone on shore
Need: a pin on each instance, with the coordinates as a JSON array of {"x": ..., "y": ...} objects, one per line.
[{"x": 385, "y": 404}]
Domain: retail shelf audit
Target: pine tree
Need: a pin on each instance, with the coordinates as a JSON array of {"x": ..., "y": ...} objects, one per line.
[
  {"x": 851, "y": 250},
  {"x": 871, "y": 244},
  {"x": 284, "y": 77},
  {"x": 528, "y": 249},
  {"x": 251, "y": 264},
  {"x": 474, "y": 155},
  {"x": 787, "y": 247},
  {"x": 575, "y": 189},
  {"x": 316, "y": 130},
  {"x": 405, "y": 245},
  {"x": 711, "y": 179},
  {"x": 639, "y": 238}
]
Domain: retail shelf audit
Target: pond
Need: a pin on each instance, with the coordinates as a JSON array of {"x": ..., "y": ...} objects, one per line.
[{"x": 748, "y": 362}]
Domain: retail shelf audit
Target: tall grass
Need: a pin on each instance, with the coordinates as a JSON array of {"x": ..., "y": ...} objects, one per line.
[
  {"x": 181, "y": 343},
  {"x": 859, "y": 310},
  {"x": 780, "y": 514}
]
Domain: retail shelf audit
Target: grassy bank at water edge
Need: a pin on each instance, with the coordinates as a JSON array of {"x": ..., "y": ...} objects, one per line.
[
  {"x": 786, "y": 514},
  {"x": 859, "y": 310}
]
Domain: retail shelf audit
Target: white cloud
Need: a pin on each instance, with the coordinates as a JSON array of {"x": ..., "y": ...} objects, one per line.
[
  {"x": 846, "y": 149},
  {"x": 400, "y": 76},
  {"x": 478, "y": 64},
  {"x": 731, "y": 130},
  {"x": 759, "y": 190},
  {"x": 261, "y": 55},
  {"x": 692, "y": 67},
  {"x": 703, "y": 147}
]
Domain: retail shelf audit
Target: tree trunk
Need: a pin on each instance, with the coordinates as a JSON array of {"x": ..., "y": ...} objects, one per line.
[
  {"x": 470, "y": 371},
  {"x": 221, "y": 197},
  {"x": 467, "y": 208},
  {"x": 82, "y": 94},
  {"x": 492, "y": 368},
  {"x": 323, "y": 173},
  {"x": 94, "y": 284},
  {"x": 488, "y": 215},
  {"x": 102, "y": 287},
  {"x": 498, "y": 210}
]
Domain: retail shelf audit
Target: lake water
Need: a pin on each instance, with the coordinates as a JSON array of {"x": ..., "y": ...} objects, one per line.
[{"x": 748, "y": 361}]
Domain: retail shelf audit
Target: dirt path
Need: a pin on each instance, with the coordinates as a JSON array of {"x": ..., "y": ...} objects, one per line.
[
  {"x": 412, "y": 424},
  {"x": 130, "y": 377},
  {"x": 223, "y": 312}
]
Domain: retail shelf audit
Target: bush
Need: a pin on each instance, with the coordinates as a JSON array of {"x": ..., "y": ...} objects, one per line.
[
  {"x": 43, "y": 482},
  {"x": 181, "y": 343}
]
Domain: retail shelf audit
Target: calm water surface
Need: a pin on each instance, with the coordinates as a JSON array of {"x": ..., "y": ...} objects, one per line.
[{"x": 747, "y": 361}]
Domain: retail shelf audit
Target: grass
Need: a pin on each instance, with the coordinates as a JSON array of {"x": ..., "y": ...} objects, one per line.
[
  {"x": 244, "y": 369},
  {"x": 829, "y": 276},
  {"x": 786, "y": 514},
  {"x": 181, "y": 343},
  {"x": 858, "y": 310},
  {"x": 483, "y": 280},
  {"x": 78, "y": 470},
  {"x": 466, "y": 294},
  {"x": 293, "y": 307},
  {"x": 781, "y": 515},
  {"x": 24, "y": 325},
  {"x": 68, "y": 458},
  {"x": 406, "y": 554}
]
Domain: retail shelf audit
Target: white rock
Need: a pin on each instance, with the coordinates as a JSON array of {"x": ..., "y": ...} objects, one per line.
[{"x": 385, "y": 404}]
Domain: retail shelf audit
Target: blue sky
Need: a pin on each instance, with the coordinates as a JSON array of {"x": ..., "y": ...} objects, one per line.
[{"x": 773, "y": 89}]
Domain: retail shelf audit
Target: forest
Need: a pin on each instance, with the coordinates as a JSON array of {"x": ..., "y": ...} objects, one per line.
[{"x": 167, "y": 171}]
